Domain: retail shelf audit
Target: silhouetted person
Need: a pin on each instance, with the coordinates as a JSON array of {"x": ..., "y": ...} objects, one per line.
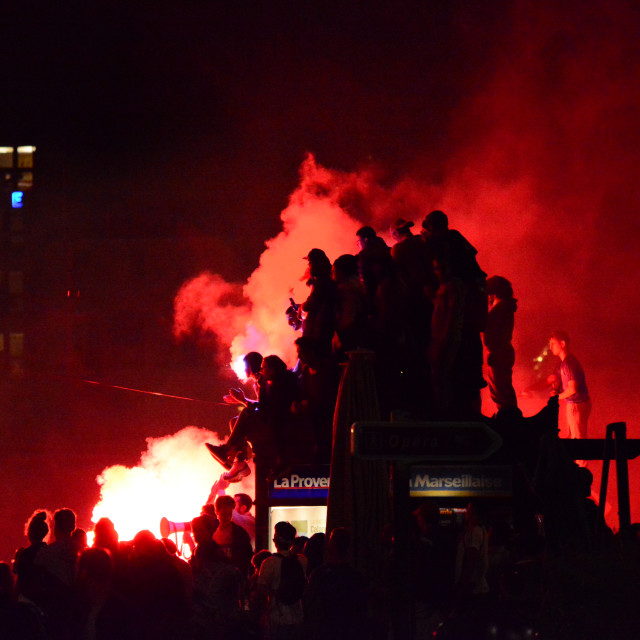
[
  {"x": 334, "y": 601},
  {"x": 314, "y": 551},
  {"x": 318, "y": 380},
  {"x": 216, "y": 596},
  {"x": 573, "y": 385},
  {"x": 352, "y": 309},
  {"x": 79, "y": 537},
  {"x": 391, "y": 336},
  {"x": 284, "y": 619},
  {"x": 452, "y": 246},
  {"x": 235, "y": 462},
  {"x": 156, "y": 589},
  {"x": 100, "y": 612},
  {"x": 372, "y": 249},
  {"x": 36, "y": 531},
  {"x": 56, "y": 566},
  {"x": 231, "y": 537},
  {"x": 242, "y": 515},
  {"x": 252, "y": 369},
  {"x": 446, "y": 336},
  {"x": 20, "y": 619},
  {"x": 497, "y": 342},
  {"x": 601, "y": 534},
  {"x": 202, "y": 528},
  {"x": 432, "y": 566},
  {"x": 268, "y": 424},
  {"x": 319, "y": 309}
]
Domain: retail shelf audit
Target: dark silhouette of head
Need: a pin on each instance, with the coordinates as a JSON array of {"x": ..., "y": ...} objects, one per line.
[
  {"x": 64, "y": 522},
  {"x": 344, "y": 267},
  {"x": 225, "y": 506},
  {"x": 319, "y": 264},
  {"x": 94, "y": 564},
  {"x": 436, "y": 223},
  {"x": 259, "y": 558},
  {"x": 499, "y": 287},
  {"x": 285, "y": 534},
  {"x": 37, "y": 527},
  {"x": 105, "y": 535},
  {"x": 273, "y": 367},
  {"x": 243, "y": 502},
  {"x": 252, "y": 363},
  {"x": 203, "y": 528},
  {"x": 366, "y": 233},
  {"x": 401, "y": 228}
]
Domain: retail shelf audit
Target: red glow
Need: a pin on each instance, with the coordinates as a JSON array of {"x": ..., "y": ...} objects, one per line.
[{"x": 173, "y": 480}]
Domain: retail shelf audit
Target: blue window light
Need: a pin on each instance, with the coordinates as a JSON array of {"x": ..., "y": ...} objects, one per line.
[{"x": 17, "y": 198}]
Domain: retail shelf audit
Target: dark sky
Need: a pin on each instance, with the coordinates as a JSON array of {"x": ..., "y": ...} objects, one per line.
[{"x": 211, "y": 106}]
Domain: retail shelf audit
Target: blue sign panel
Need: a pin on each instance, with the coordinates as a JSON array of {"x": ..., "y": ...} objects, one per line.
[
  {"x": 302, "y": 482},
  {"x": 462, "y": 481},
  {"x": 17, "y": 199}
]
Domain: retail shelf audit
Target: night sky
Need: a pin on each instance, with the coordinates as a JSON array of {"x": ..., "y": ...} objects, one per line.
[{"x": 520, "y": 119}]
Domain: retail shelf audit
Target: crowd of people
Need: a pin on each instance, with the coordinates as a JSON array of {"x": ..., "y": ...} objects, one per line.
[
  {"x": 59, "y": 588},
  {"x": 474, "y": 578},
  {"x": 433, "y": 320},
  {"x": 422, "y": 306}
]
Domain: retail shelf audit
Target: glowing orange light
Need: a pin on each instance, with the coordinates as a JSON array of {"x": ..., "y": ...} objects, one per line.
[
  {"x": 173, "y": 480},
  {"x": 237, "y": 364}
]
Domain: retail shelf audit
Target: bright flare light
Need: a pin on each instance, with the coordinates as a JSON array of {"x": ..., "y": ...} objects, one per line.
[
  {"x": 238, "y": 368},
  {"x": 173, "y": 480}
]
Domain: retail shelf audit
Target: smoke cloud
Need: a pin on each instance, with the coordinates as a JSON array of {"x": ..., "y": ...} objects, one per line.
[
  {"x": 172, "y": 480},
  {"x": 539, "y": 174}
]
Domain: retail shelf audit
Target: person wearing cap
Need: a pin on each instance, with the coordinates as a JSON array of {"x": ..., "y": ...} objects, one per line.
[
  {"x": 500, "y": 355},
  {"x": 412, "y": 257}
]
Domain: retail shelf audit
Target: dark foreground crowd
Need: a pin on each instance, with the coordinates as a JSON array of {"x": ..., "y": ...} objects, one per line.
[
  {"x": 112, "y": 590},
  {"x": 430, "y": 316},
  {"x": 470, "y": 579}
]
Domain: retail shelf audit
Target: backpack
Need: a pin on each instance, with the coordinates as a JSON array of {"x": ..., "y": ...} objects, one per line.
[{"x": 292, "y": 580}]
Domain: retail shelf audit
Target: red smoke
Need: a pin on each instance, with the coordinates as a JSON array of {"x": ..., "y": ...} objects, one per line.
[
  {"x": 172, "y": 480},
  {"x": 539, "y": 174}
]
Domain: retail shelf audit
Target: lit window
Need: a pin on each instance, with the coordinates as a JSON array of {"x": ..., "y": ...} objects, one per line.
[
  {"x": 25, "y": 157},
  {"x": 6, "y": 157},
  {"x": 26, "y": 180}
]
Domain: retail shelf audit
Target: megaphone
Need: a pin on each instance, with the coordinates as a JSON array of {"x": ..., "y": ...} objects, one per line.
[{"x": 167, "y": 527}]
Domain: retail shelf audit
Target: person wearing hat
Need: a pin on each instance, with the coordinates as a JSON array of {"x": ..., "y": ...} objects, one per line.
[{"x": 319, "y": 309}]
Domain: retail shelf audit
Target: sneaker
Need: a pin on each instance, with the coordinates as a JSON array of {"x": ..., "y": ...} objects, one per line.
[
  {"x": 221, "y": 453},
  {"x": 239, "y": 470}
]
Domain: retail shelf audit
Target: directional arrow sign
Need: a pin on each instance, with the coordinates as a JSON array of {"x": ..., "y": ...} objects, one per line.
[{"x": 424, "y": 441}]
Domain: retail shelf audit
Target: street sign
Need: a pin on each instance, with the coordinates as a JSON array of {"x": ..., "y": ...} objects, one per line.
[{"x": 424, "y": 441}]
